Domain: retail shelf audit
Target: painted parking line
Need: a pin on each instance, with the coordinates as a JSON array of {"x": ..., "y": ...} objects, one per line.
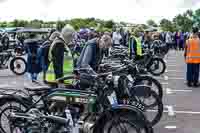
[
  {"x": 165, "y": 83},
  {"x": 177, "y": 78},
  {"x": 170, "y": 110},
  {"x": 171, "y": 91},
  {"x": 173, "y": 65},
  {"x": 178, "y": 112},
  {"x": 175, "y": 71},
  {"x": 170, "y": 127}
]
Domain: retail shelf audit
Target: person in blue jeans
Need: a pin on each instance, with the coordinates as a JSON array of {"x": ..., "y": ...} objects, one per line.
[{"x": 32, "y": 47}]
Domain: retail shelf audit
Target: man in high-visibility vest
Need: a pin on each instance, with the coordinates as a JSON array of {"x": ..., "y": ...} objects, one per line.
[
  {"x": 135, "y": 45},
  {"x": 192, "y": 58},
  {"x": 60, "y": 56}
]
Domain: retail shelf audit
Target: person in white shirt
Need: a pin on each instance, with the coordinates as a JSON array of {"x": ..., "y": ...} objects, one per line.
[
  {"x": 116, "y": 37},
  {"x": 168, "y": 39}
]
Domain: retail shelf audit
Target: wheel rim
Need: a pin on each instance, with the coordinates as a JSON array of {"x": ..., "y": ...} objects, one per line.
[
  {"x": 121, "y": 126},
  {"x": 157, "y": 67},
  {"x": 19, "y": 66},
  {"x": 4, "y": 115}
]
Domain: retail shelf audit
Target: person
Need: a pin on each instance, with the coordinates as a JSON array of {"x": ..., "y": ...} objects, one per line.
[
  {"x": 31, "y": 48},
  {"x": 116, "y": 37},
  {"x": 181, "y": 42},
  {"x": 135, "y": 45},
  {"x": 60, "y": 57},
  {"x": 168, "y": 40},
  {"x": 94, "y": 51},
  {"x": 43, "y": 54},
  {"x": 192, "y": 58},
  {"x": 178, "y": 40},
  {"x": 5, "y": 41}
]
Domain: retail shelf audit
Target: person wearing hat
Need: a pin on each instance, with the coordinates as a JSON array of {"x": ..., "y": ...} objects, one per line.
[
  {"x": 59, "y": 55},
  {"x": 192, "y": 58},
  {"x": 135, "y": 45}
]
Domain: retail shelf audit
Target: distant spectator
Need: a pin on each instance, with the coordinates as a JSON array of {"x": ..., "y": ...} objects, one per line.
[
  {"x": 168, "y": 39},
  {"x": 116, "y": 37}
]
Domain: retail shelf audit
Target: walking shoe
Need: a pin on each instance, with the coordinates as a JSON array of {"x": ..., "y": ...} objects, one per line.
[
  {"x": 196, "y": 84},
  {"x": 189, "y": 84}
]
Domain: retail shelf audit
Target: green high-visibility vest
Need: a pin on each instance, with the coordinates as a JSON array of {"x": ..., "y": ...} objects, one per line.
[
  {"x": 68, "y": 66},
  {"x": 139, "y": 45}
]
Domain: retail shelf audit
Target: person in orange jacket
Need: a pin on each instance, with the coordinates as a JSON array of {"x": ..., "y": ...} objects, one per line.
[{"x": 192, "y": 58}]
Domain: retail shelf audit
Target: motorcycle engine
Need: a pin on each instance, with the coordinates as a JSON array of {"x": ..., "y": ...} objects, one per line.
[{"x": 35, "y": 122}]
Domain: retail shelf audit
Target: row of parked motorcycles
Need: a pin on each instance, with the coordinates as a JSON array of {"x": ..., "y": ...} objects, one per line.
[{"x": 121, "y": 97}]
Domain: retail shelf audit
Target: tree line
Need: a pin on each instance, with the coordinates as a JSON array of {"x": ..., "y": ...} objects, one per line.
[
  {"x": 76, "y": 23},
  {"x": 181, "y": 22}
]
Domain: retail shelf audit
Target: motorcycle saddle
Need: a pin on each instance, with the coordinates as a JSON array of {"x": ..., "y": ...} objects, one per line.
[{"x": 37, "y": 87}]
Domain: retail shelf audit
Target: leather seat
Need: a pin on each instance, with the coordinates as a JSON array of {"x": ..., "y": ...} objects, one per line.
[{"x": 37, "y": 86}]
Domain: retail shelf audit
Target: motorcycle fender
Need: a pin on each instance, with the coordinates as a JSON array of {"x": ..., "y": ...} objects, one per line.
[{"x": 18, "y": 98}]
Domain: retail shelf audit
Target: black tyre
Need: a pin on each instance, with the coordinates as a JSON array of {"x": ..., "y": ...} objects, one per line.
[
  {"x": 157, "y": 67},
  {"x": 151, "y": 82},
  {"x": 6, "y": 108},
  {"x": 122, "y": 122},
  {"x": 18, "y": 66},
  {"x": 153, "y": 106}
]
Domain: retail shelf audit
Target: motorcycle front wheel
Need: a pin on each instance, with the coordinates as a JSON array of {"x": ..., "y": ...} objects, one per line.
[
  {"x": 157, "y": 66},
  {"x": 18, "y": 66}
]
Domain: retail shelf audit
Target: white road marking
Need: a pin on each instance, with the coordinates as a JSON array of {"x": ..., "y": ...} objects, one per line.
[
  {"x": 171, "y": 65},
  {"x": 177, "y": 78},
  {"x": 166, "y": 70},
  {"x": 170, "y": 110},
  {"x": 174, "y": 71},
  {"x": 182, "y": 90},
  {"x": 171, "y": 91},
  {"x": 170, "y": 127},
  {"x": 165, "y": 83},
  {"x": 178, "y": 112},
  {"x": 166, "y": 77}
]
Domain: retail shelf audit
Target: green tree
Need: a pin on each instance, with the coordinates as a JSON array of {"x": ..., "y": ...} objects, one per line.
[
  {"x": 166, "y": 25},
  {"x": 109, "y": 24},
  {"x": 151, "y": 22},
  {"x": 60, "y": 25},
  {"x": 183, "y": 22},
  {"x": 196, "y": 17}
]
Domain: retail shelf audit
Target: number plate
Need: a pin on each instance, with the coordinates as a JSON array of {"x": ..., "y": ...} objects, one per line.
[
  {"x": 133, "y": 103},
  {"x": 81, "y": 100}
]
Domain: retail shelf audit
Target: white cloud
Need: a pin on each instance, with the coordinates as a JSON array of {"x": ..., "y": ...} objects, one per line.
[{"x": 136, "y": 11}]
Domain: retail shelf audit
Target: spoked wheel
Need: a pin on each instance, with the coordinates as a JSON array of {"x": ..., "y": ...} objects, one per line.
[
  {"x": 157, "y": 67},
  {"x": 153, "y": 106},
  {"x": 122, "y": 126},
  {"x": 6, "y": 110},
  {"x": 151, "y": 82},
  {"x": 124, "y": 122},
  {"x": 18, "y": 65}
]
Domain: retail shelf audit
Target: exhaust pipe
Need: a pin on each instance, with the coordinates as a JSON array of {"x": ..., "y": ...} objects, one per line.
[{"x": 22, "y": 115}]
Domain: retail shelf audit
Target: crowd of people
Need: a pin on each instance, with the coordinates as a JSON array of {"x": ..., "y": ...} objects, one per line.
[{"x": 65, "y": 50}]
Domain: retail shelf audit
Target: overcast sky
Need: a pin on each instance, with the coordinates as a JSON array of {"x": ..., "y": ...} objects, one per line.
[{"x": 135, "y": 11}]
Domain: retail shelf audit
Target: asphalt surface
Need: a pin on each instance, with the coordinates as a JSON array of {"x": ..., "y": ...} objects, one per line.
[{"x": 181, "y": 104}]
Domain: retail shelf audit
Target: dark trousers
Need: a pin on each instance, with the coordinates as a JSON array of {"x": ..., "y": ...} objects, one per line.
[
  {"x": 193, "y": 73},
  {"x": 58, "y": 60}
]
